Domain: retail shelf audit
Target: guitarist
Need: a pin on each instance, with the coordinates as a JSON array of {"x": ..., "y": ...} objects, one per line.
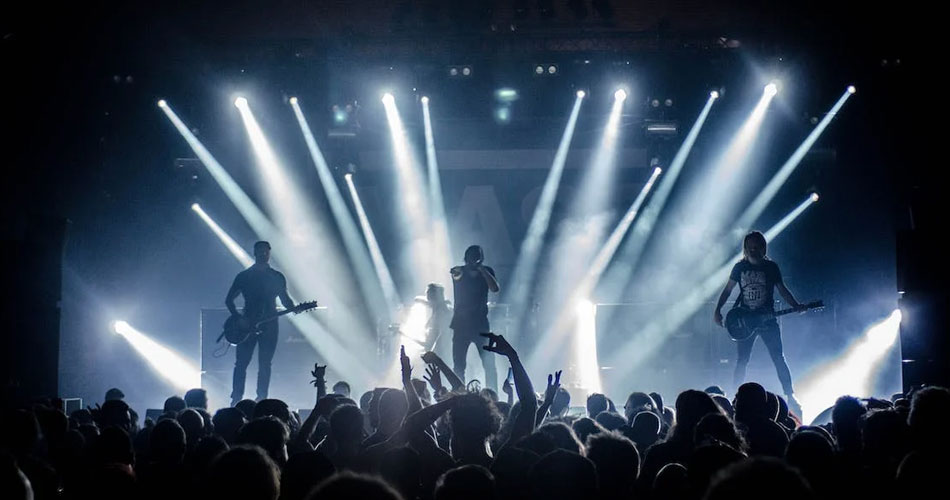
[
  {"x": 757, "y": 276},
  {"x": 260, "y": 285}
]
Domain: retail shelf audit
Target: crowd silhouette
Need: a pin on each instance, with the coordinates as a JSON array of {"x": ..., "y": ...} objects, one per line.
[{"x": 433, "y": 438}]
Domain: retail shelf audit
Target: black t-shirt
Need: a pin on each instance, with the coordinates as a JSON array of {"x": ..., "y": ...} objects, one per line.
[
  {"x": 756, "y": 283},
  {"x": 260, "y": 286},
  {"x": 471, "y": 300}
]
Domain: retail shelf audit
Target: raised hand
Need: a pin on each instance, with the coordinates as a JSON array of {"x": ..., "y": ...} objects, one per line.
[
  {"x": 430, "y": 357},
  {"x": 507, "y": 388},
  {"x": 553, "y": 386},
  {"x": 404, "y": 362},
  {"x": 497, "y": 344},
  {"x": 434, "y": 377},
  {"x": 319, "y": 373}
]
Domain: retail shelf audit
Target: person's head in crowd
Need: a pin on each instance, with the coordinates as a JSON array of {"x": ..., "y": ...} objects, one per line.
[
  {"x": 346, "y": 426},
  {"x": 205, "y": 452},
  {"x": 706, "y": 461},
  {"x": 538, "y": 443},
  {"x": 563, "y": 436},
  {"x": 54, "y": 424},
  {"x": 812, "y": 453},
  {"x": 115, "y": 412},
  {"x": 114, "y": 447},
  {"x": 392, "y": 407},
  {"x": 657, "y": 399},
  {"x": 510, "y": 468},
  {"x": 227, "y": 422},
  {"x": 473, "y": 420},
  {"x": 751, "y": 402},
  {"x": 929, "y": 414},
  {"x": 637, "y": 402},
  {"x": 885, "y": 437},
  {"x": 585, "y": 427},
  {"x": 13, "y": 482},
  {"x": 365, "y": 400},
  {"x": 610, "y": 420},
  {"x": 167, "y": 442},
  {"x": 561, "y": 403},
  {"x": 342, "y": 388},
  {"x": 196, "y": 398},
  {"x": 672, "y": 482},
  {"x": 489, "y": 394},
  {"x": 349, "y": 486},
  {"x": 245, "y": 472},
  {"x": 114, "y": 393},
  {"x": 716, "y": 427},
  {"x": 617, "y": 462},
  {"x": 174, "y": 404},
  {"x": 247, "y": 407},
  {"x": 751, "y": 479},
  {"x": 846, "y": 419},
  {"x": 596, "y": 403},
  {"x": 563, "y": 475},
  {"x": 270, "y": 434},
  {"x": 468, "y": 482},
  {"x": 715, "y": 390},
  {"x": 691, "y": 407},
  {"x": 402, "y": 469},
  {"x": 725, "y": 404},
  {"x": 273, "y": 408},
  {"x": 193, "y": 425},
  {"x": 303, "y": 472}
]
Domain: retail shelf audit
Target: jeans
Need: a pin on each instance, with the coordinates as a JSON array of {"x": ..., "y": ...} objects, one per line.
[
  {"x": 267, "y": 340},
  {"x": 460, "y": 342},
  {"x": 772, "y": 336}
]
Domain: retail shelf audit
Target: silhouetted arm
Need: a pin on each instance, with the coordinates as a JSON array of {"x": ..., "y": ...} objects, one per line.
[
  {"x": 415, "y": 404},
  {"x": 553, "y": 384},
  {"x": 489, "y": 276},
  {"x": 723, "y": 297},
  {"x": 233, "y": 292},
  {"x": 453, "y": 379},
  {"x": 284, "y": 297},
  {"x": 525, "y": 421}
]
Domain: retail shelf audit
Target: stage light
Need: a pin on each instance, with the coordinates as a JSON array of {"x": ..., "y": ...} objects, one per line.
[
  {"x": 425, "y": 100},
  {"x": 714, "y": 94},
  {"x": 167, "y": 363},
  {"x": 814, "y": 197},
  {"x": 240, "y": 102},
  {"x": 195, "y": 207},
  {"x": 466, "y": 71},
  {"x": 668, "y": 103},
  {"x": 503, "y": 114},
  {"x": 388, "y": 98},
  {"x": 552, "y": 69},
  {"x": 581, "y": 94},
  {"x": 620, "y": 94},
  {"x": 585, "y": 340},
  {"x": 506, "y": 95},
  {"x": 852, "y": 89},
  {"x": 655, "y": 103},
  {"x": 347, "y": 176},
  {"x": 539, "y": 70},
  {"x": 453, "y": 71},
  {"x": 161, "y": 103},
  {"x": 293, "y": 100},
  {"x": 771, "y": 89}
]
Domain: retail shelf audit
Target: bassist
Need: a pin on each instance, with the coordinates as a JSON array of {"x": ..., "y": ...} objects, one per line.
[
  {"x": 260, "y": 285},
  {"x": 757, "y": 277}
]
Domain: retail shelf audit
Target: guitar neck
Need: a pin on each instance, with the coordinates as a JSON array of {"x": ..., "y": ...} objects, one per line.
[{"x": 783, "y": 312}]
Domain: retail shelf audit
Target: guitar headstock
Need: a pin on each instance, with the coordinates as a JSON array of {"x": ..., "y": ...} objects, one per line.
[{"x": 305, "y": 306}]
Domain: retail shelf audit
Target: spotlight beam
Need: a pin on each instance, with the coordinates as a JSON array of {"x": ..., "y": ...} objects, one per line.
[
  {"x": 643, "y": 345},
  {"x": 585, "y": 345},
  {"x": 622, "y": 269},
  {"x": 526, "y": 264},
  {"x": 597, "y": 267},
  {"x": 762, "y": 200},
  {"x": 174, "y": 368},
  {"x": 376, "y": 255},
  {"x": 239, "y": 253},
  {"x": 440, "y": 230},
  {"x": 851, "y": 373},
  {"x": 382, "y": 306}
]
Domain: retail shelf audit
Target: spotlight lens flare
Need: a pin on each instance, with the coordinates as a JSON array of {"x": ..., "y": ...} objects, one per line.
[
  {"x": 425, "y": 100},
  {"x": 293, "y": 100},
  {"x": 195, "y": 207},
  {"x": 388, "y": 98},
  {"x": 348, "y": 176},
  {"x": 581, "y": 94},
  {"x": 120, "y": 327},
  {"x": 240, "y": 102},
  {"x": 620, "y": 94},
  {"x": 771, "y": 89},
  {"x": 714, "y": 94},
  {"x": 814, "y": 197},
  {"x": 852, "y": 89},
  {"x": 162, "y": 103}
]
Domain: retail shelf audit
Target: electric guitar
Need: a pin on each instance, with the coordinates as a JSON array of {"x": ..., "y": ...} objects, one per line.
[
  {"x": 742, "y": 323},
  {"x": 238, "y": 329}
]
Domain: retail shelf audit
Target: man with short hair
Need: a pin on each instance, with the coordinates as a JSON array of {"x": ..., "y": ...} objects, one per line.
[{"x": 260, "y": 285}]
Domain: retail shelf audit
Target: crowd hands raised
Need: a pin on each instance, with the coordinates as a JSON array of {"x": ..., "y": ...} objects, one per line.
[{"x": 434, "y": 438}]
